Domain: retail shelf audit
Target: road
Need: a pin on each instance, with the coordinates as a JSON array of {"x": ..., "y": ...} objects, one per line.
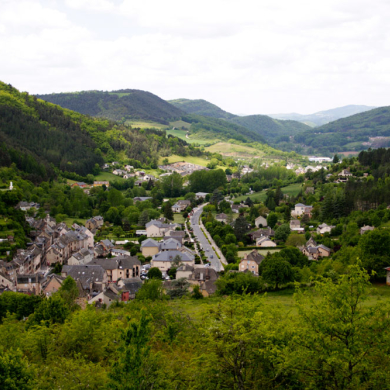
[{"x": 202, "y": 240}]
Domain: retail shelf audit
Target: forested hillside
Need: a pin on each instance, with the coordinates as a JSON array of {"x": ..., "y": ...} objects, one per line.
[
  {"x": 349, "y": 133},
  {"x": 322, "y": 117},
  {"x": 221, "y": 129},
  {"x": 274, "y": 131},
  {"x": 117, "y": 105},
  {"x": 40, "y": 138},
  {"x": 201, "y": 107}
]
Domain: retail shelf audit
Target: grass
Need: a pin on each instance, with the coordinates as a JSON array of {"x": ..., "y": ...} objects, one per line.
[
  {"x": 257, "y": 197},
  {"x": 189, "y": 159},
  {"x": 146, "y": 124},
  {"x": 178, "y": 218},
  {"x": 192, "y": 138},
  {"x": 108, "y": 176},
  {"x": 263, "y": 252},
  {"x": 180, "y": 124},
  {"x": 69, "y": 221},
  {"x": 232, "y": 150}
]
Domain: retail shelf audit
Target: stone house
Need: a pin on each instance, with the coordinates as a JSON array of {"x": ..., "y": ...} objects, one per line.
[
  {"x": 250, "y": 262},
  {"x": 29, "y": 284},
  {"x": 164, "y": 260},
  {"x": 265, "y": 242},
  {"x": 221, "y": 217},
  {"x": 83, "y": 256},
  {"x": 261, "y": 221},
  {"x": 156, "y": 228},
  {"x": 180, "y": 206},
  {"x": 366, "y": 229},
  {"x": 149, "y": 247},
  {"x": 324, "y": 228}
]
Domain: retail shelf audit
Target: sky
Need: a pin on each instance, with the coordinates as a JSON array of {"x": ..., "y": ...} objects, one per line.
[{"x": 247, "y": 56}]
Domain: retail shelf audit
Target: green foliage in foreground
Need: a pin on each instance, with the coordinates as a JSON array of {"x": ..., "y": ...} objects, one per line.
[{"x": 331, "y": 337}]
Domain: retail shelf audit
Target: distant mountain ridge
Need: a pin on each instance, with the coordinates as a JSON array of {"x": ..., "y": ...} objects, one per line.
[
  {"x": 268, "y": 128},
  {"x": 323, "y": 117},
  {"x": 117, "y": 105},
  {"x": 201, "y": 107}
]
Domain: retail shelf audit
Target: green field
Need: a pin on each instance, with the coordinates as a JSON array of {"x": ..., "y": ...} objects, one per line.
[
  {"x": 232, "y": 150},
  {"x": 191, "y": 139},
  {"x": 108, "y": 176},
  {"x": 69, "y": 221},
  {"x": 180, "y": 124},
  {"x": 178, "y": 218},
  {"x": 143, "y": 124},
  {"x": 190, "y": 159},
  {"x": 291, "y": 190}
]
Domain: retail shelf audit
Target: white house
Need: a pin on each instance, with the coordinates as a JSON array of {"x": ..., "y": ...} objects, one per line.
[
  {"x": 265, "y": 242},
  {"x": 261, "y": 221},
  {"x": 324, "y": 228}
]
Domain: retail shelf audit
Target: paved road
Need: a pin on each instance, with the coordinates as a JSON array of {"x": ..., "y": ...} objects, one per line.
[{"x": 214, "y": 261}]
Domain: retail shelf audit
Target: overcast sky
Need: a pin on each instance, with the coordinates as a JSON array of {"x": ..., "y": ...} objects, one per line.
[{"x": 248, "y": 57}]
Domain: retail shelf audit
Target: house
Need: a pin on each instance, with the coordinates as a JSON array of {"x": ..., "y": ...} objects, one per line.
[
  {"x": 181, "y": 205},
  {"x": 169, "y": 243},
  {"x": 29, "y": 284},
  {"x": 205, "y": 278},
  {"x": 201, "y": 195},
  {"x": 295, "y": 226},
  {"x": 129, "y": 168},
  {"x": 141, "y": 198},
  {"x": 119, "y": 252},
  {"x": 92, "y": 278},
  {"x": 178, "y": 235},
  {"x": 86, "y": 232},
  {"x": 106, "y": 297},
  {"x": 301, "y": 209},
  {"x": 6, "y": 281},
  {"x": 100, "y": 183},
  {"x": 83, "y": 256},
  {"x": 149, "y": 247},
  {"x": 156, "y": 228},
  {"x": 25, "y": 206},
  {"x": 51, "y": 284},
  {"x": 387, "y": 276},
  {"x": 164, "y": 260},
  {"x": 129, "y": 175},
  {"x": 261, "y": 221},
  {"x": 184, "y": 271},
  {"x": 94, "y": 223},
  {"x": 28, "y": 261},
  {"x": 119, "y": 267},
  {"x": 265, "y": 242},
  {"x": 119, "y": 172},
  {"x": 309, "y": 190},
  {"x": 324, "y": 228},
  {"x": 250, "y": 262},
  {"x": 366, "y": 229},
  {"x": 267, "y": 232},
  {"x": 115, "y": 163},
  {"x": 80, "y": 184},
  {"x": 315, "y": 252},
  {"x": 130, "y": 285},
  {"x": 221, "y": 217},
  {"x": 345, "y": 173}
]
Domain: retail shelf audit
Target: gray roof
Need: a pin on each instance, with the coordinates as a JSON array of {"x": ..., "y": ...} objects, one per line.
[
  {"x": 150, "y": 243},
  {"x": 206, "y": 273},
  {"x": 131, "y": 284},
  {"x": 255, "y": 256},
  {"x": 170, "y": 255},
  {"x": 87, "y": 274},
  {"x": 186, "y": 268},
  {"x": 119, "y": 262},
  {"x": 142, "y": 198},
  {"x": 169, "y": 244}
]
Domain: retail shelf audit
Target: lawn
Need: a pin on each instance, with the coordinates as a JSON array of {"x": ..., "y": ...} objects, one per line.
[
  {"x": 180, "y": 124},
  {"x": 146, "y": 124},
  {"x": 178, "y": 218},
  {"x": 191, "y": 139},
  {"x": 233, "y": 150},
  {"x": 263, "y": 252},
  {"x": 108, "y": 176},
  {"x": 189, "y": 159},
  {"x": 69, "y": 221},
  {"x": 291, "y": 190}
]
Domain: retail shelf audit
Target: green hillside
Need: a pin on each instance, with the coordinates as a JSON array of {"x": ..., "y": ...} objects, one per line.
[
  {"x": 349, "y": 133},
  {"x": 323, "y": 117},
  {"x": 201, "y": 107},
  {"x": 42, "y": 139},
  {"x": 117, "y": 105},
  {"x": 212, "y": 128},
  {"x": 272, "y": 130}
]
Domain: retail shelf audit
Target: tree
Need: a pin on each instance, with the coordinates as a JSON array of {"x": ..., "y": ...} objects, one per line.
[
  {"x": 196, "y": 294},
  {"x": 276, "y": 270},
  {"x": 295, "y": 239},
  {"x": 137, "y": 366},
  {"x": 272, "y": 219},
  {"x": 53, "y": 310},
  {"x": 168, "y": 213},
  {"x": 15, "y": 373},
  {"x": 336, "y": 159},
  {"x": 178, "y": 288},
  {"x": 143, "y": 218},
  {"x": 216, "y": 196},
  {"x": 69, "y": 292},
  {"x": 154, "y": 273},
  {"x": 282, "y": 232},
  {"x": 152, "y": 290},
  {"x": 340, "y": 342},
  {"x": 240, "y": 227},
  {"x": 249, "y": 201}
]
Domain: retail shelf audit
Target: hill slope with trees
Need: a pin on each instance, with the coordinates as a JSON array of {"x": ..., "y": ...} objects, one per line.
[
  {"x": 349, "y": 133},
  {"x": 201, "y": 107},
  {"x": 117, "y": 105}
]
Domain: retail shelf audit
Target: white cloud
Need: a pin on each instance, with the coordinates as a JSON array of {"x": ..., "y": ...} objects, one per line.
[{"x": 250, "y": 56}]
